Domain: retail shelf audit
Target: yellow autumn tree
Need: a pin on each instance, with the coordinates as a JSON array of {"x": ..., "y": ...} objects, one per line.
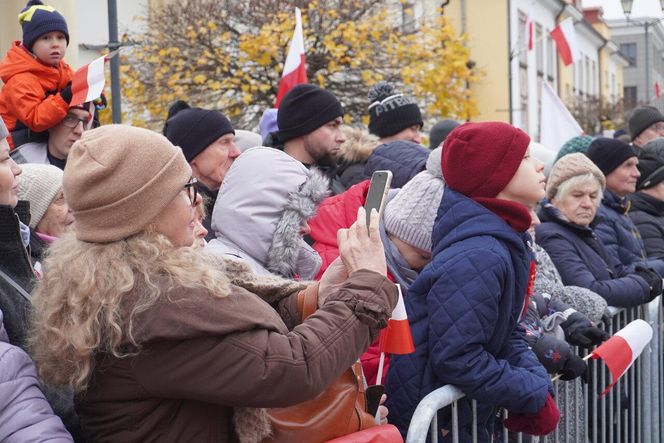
[{"x": 229, "y": 56}]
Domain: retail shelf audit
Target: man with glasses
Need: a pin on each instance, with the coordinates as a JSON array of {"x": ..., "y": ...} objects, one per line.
[
  {"x": 61, "y": 137},
  {"x": 646, "y": 123}
]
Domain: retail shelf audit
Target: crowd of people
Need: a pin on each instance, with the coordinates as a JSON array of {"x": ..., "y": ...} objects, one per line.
[{"x": 152, "y": 285}]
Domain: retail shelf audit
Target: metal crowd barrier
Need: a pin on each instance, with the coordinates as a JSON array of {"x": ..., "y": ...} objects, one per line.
[{"x": 632, "y": 412}]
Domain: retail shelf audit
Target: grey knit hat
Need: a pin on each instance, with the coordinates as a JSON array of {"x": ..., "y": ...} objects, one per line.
[
  {"x": 411, "y": 214},
  {"x": 39, "y": 184}
]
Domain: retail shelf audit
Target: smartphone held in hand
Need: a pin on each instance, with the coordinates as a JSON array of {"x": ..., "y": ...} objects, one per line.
[{"x": 380, "y": 185}]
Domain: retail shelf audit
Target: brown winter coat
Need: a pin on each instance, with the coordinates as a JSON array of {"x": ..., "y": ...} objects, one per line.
[{"x": 208, "y": 364}]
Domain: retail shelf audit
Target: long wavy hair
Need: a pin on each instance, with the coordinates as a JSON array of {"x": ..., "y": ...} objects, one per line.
[{"x": 81, "y": 303}]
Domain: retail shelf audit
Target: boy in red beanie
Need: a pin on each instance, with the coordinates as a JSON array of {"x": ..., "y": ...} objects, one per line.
[
  {"x": 37, "y": 89},
  {"x": 465, "y": 306}
]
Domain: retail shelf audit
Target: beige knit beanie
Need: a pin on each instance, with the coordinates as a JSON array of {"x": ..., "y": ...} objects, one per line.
[
  {"x": 411, "y": 214},
  {"x": 570, "y": 166},
  {"x": 39, "y": 184},
  {"x": 119, "y": 178}
]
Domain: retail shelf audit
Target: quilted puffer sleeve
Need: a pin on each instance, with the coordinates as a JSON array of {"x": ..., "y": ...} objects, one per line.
[
  {"x": 630, "y": 290},
  {"x": 651, "y": 233},
  {"x": 463, "y": 307}
]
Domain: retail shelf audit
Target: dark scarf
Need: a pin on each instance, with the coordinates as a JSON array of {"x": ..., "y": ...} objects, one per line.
[
  {"x": 55, "y": 161},
  {"x": 396, "y": 265}
]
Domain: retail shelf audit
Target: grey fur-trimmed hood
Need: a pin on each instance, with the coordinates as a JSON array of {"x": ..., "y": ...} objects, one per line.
[{"x": 264, "y": 200}]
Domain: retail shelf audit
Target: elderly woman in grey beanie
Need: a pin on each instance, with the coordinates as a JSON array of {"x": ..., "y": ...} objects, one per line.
[
  {"x": 159, "y": 340},
  {"x": 50, "y": 216}
]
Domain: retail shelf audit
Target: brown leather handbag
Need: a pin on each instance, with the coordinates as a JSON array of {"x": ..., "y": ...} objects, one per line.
[{"x": 337, "y": 411}]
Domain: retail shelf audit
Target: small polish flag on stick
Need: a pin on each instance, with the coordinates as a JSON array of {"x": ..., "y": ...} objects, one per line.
[
  {"x": 88, "y": 82},
  {"x": 396, "y": 337},
  {"x": 565, "y": 37},
  {"x": 295, "y": 69},
  {"x": 620, "y": 351}
]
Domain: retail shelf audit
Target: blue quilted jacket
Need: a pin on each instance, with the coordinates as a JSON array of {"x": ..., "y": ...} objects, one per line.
[
  {"x": 405, "y": 159},
  {"x": 620, "y": 236},
  {"x": 464, "y": 310}
]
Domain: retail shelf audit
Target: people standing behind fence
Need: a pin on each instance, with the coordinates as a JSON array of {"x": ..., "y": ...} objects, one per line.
[
  {"x": 465, "y": 305},
  {"x": 207, "y": 139},
  {"x": 646, "y": 123},
  {"x": 574, "y": 190},
  {"x": 50, "y": 216},
  {"x": 618, "y": 162},
  {"x": 406, "y": 228},
  {"x": 161, "y": 345},
  {"x": 647, "y": 204},
  {"x": 61, "y": 137},
  {"x": 262, "y": 210},
  {"x": 37, "y": 82}
]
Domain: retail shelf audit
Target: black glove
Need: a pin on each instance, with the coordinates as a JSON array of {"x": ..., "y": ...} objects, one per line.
[
  {"x": 66, "y": 94},
  {"x": 579, "y": 331},
  {"x": 574, "y": 367},
  {"x": 653, "y": 279}
]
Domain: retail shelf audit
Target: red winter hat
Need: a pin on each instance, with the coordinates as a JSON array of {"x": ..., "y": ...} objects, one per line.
[{"x": 480, "y": 159}]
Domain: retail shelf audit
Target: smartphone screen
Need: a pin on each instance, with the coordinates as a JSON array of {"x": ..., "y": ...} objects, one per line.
[{"x": 380, "y": 185}]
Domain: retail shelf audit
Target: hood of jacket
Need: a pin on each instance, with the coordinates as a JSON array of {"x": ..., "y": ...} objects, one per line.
[
  {"x": 20, "y": 61},
  {"x": 405, "y": 160},
  {"x": 647, "y": 203},
  {"x": 358, "y": 147},
  {"x": 264, "y": 200}
]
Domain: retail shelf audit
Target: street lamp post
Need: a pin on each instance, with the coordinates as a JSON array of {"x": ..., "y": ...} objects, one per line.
[{"x": 627, "y": 10}]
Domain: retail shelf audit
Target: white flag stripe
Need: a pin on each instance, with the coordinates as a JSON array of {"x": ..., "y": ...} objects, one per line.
[
  {"x": 293, "y": 59},
  {"x": 637, "y": 334},
  {"x": 96, "y": 79},
  {"x": 399, "y": 312}
]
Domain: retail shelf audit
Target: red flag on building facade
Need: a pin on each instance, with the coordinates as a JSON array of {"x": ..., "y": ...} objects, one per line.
[
  {"x": 658, "y": 90},
  {"x": 565, "y": 37},
  {"x": 529, "y": 32},
  {"x": 295, "y": 71}
]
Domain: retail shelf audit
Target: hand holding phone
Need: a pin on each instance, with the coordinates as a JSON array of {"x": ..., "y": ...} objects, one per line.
[{"x": 380, "y": 185}]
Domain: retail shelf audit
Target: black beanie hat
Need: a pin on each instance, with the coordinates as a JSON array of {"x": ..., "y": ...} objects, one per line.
[
  {"x": 391, "y": 112},
  {"x": 439, "y": 132},
  {"x": 304, "y": 109},
  {"x": 642, "y": 118},
  {"x": 651, "y": 164},
  {"x": 37, "y": 19},
  {"x": 609, "y": 153},
  {"x": 194, "y": 129}
]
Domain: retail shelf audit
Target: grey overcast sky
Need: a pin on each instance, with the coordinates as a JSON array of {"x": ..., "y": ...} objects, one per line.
[{"x": 640, "y": 8}]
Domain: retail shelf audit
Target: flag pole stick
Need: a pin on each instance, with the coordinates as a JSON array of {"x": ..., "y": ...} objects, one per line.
[
  {"x": 560, "y": 375},
  {"x": 379, "y": 379}
]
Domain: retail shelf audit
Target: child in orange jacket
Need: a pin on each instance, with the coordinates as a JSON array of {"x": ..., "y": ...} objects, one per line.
[{"x": 37, "y": 89}]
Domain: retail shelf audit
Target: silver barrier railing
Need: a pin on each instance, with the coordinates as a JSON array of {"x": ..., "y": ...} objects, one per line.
[{"x": 632, "y": 412}]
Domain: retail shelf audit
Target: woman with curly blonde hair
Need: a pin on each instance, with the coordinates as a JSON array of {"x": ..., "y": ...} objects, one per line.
[{"x": 162, "y": 342}]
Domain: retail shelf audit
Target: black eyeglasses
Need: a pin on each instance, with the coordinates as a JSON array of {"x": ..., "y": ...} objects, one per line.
[
  {"x": 192, "y": 190},
  {"x": 71, "y": 121}
]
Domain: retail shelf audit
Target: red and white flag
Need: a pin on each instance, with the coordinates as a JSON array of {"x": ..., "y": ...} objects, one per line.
[
  {"x": 620, "y": 351},
  {"x": 88, "y": 82},
  {"x": 396, "y": 337},
  {"x": 565, "y": 37},
  {"x": 557, "y": 124},
  {"x": 658, "y": 90},
  {"x": 530, "y": 31},
  {"x": 295, "y": 69}
]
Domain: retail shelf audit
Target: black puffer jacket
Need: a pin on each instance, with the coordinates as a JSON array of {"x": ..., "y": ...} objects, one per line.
[{"x": 647, "y": 213}]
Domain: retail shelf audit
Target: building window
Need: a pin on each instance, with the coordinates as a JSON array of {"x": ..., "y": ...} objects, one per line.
[
  {"x": 523, "y": 40},
  {"x": 629, "y": 51},
  {"x": 629, "y": 94},
  {"x": 551, "y": 51},
  {"x": 539, "y": 48}
]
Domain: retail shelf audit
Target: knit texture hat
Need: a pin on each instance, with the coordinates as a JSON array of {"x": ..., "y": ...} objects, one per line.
[
  {"x": 4, "y": 133},
  {"x": 609, "y": 153},
  {"x": 304, "y": 109},
  {"x": 480, "y": 159},
  {"x": 39, "y": 184},
  {"x": 411, "y": 214},
  {"x": 440, "y": 131},
  {"x": 37, "y": 19},
  {"x": 194, "y": 129},
  {"x": 651, "y": 164},
  {"x": 119, "y": 178},
  {"x": 568, "y": 167},
  {"x": 579, "y": 143},
  {"x": 642, "y": 118},
  {"x": 391, "y": 112}
]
